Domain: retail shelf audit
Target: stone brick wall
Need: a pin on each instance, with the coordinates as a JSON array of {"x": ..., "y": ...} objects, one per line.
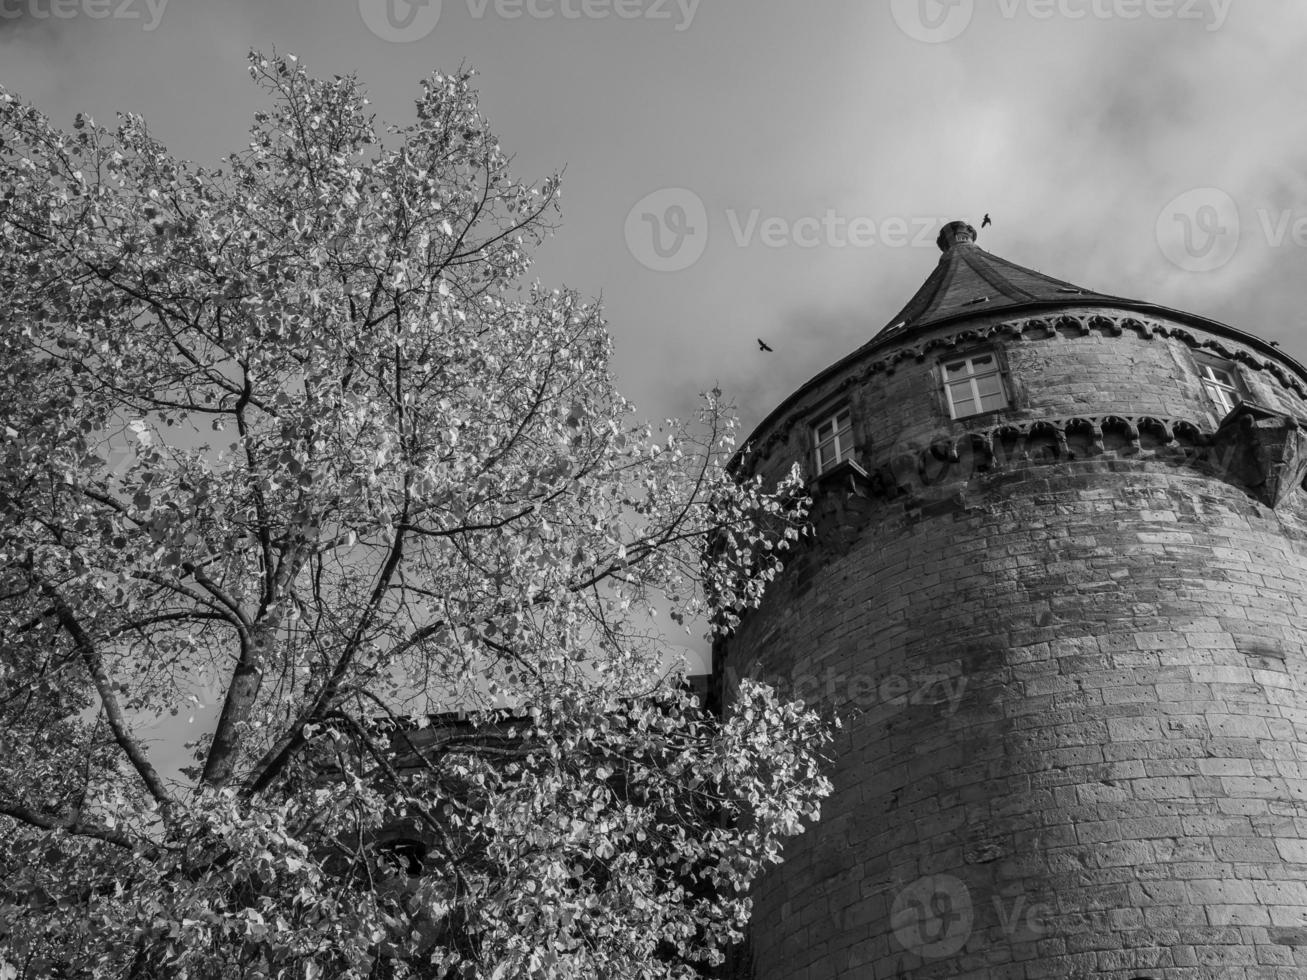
[
  {"x": 1077, "y": 362},
  {"x": 1072, "y": 681}
]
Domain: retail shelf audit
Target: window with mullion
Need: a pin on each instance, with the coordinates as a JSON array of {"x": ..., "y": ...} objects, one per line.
[
  {"x": 1221, "y": 386},
  {"x": 833, "y": 439},
  {"x": 974, "y": 385}
]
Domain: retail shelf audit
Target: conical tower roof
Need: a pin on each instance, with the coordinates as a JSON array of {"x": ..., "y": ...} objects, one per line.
[{"x": 969, "y": 280}]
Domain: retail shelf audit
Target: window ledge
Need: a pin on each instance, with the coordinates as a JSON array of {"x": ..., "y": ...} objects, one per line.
[
  {"x": 847, "y": 474},
  {"x": 990, "y": 414}
]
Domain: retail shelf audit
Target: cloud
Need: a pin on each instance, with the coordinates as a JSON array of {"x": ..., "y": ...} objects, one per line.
[
  {"x": 19, "y": 22},
  {"x": 12, "y": 21}
]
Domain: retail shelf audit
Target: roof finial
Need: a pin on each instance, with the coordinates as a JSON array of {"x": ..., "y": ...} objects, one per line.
[{"x": 955, "y": 233}]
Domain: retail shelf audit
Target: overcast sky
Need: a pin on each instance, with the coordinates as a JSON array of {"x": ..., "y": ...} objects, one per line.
[
  {"x": 738, "y": 169},
  {"x": 793, "y": 159}
]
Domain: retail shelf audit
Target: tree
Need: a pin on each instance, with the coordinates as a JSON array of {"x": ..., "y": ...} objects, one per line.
[{"x": 297, "y": 424}]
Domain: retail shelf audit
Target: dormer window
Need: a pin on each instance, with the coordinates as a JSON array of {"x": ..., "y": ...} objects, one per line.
[
  {"x": 974, "y": 384},
  {"x": 1221, "y": 383},
  {"x": 832, "y": 439}
]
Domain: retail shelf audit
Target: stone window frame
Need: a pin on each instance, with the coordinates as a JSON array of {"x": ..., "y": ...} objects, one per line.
[
  {"x": 829, "y": 415},
  {"x": 1002, "y": 370},
  {"x": 1225, "y": 398}
]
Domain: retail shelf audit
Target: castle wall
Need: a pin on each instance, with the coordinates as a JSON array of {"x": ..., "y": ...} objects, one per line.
[
  {"x": 1090, "y": 362},
  {"x": 1071, "y": 675}
]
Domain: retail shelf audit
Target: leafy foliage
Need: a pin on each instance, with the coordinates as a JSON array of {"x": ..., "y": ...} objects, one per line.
[{"x": 296, "y": 425}]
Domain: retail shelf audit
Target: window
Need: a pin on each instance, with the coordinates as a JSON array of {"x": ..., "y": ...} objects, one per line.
[
  {"x": 974, "y": 385},
  {"x": 832, "y": 439},
  {"x": 1221, "y": 383}
]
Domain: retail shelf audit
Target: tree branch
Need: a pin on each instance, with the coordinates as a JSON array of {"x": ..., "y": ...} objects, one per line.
[
  {"x": 70, "y": 825},
  {"x": 112, "y": 709}
]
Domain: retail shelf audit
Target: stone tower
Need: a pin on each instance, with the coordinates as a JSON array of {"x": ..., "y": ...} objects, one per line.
[{"x": 1057, "y": 593}]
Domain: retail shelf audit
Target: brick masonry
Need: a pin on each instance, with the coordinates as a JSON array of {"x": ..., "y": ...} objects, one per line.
[{"x": 1071, "y": 684}]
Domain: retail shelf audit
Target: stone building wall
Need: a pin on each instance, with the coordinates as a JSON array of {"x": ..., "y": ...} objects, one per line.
[
  {"x": 1090, "y": 361},
  {"x": 1066, "y": 642}
]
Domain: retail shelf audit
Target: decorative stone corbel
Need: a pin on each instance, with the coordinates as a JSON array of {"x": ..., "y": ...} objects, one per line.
[
  {"x": 1264, "y": 450},
  {"x": 1096, "y": 443}
]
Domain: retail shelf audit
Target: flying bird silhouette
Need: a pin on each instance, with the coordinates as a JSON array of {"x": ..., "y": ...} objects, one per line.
[
  {"x": 986, "y": 222},
  {"x": 762, "y": 345}
]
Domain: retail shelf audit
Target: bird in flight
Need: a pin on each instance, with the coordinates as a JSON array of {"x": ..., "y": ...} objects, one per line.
[
  {"x": 986, "y": 222},
  {"x": 762, "y": 344}
]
